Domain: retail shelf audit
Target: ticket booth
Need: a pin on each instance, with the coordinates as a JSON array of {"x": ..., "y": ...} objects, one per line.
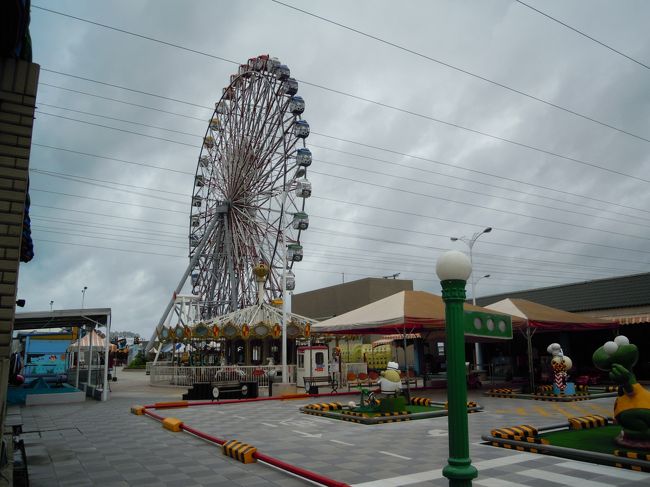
[{"x": 313, "y": 361}]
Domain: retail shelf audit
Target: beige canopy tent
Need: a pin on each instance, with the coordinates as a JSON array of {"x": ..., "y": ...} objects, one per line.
[
  {"x": 415, "y": 310},
  {"x": 533, "y": 317},
  {"x": 407, "y": 310}
]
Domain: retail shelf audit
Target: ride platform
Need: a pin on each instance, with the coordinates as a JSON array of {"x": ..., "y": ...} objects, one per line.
[
  {"x": 585, "y": 438},
  {"x": 545, "y": 393},
  {"x": 419, "y": 408}
]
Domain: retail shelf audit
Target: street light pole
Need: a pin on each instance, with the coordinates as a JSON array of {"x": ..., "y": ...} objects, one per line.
[
  {"x": 83, "y": 296},
  {"x": 453, "y": 269},
  {"x": 285, "y": 378},
  {"x": 51, "y": 303},
  {"x": 470, "y": 243}
]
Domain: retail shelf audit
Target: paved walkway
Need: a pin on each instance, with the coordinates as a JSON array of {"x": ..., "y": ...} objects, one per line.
[{"x": 103, "y": 444}]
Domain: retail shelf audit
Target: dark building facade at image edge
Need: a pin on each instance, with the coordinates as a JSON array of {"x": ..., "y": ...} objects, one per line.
[{"x": 613, "y": 296}]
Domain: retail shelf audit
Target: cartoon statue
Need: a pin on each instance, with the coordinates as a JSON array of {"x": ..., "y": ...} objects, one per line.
[
  {"x": 632, "y": 406},
  {"x": 561, "y": 364},
  {"x": 390, "y": 383}
]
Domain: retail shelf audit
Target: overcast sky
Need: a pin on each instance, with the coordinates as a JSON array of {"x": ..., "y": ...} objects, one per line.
[{"x": 388, "y": 198}]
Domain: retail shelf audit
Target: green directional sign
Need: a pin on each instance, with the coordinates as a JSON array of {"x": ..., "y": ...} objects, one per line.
[{"x": 487, "y": 325}]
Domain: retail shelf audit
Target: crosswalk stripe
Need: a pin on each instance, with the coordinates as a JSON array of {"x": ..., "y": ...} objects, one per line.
[
  {"x": 563, "y": 479},
  {"x": 541, "y": 411}
]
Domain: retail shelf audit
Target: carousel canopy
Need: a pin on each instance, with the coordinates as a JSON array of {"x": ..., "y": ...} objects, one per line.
[{"x": 415, "y": 310}]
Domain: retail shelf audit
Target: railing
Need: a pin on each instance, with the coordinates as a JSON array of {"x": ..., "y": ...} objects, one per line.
[{"x": 174, "y": 375}]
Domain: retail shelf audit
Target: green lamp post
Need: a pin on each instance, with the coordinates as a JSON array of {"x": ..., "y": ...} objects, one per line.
[{"x": 453, "y": 269}]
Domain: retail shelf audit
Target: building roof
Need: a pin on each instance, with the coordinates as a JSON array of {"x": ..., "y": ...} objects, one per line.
[
  {"x": 62, "y": 318},
  {"x": 600, "y": 294}
]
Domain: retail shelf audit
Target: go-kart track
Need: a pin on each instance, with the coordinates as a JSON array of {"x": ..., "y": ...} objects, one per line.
[
  {"x": 398, "y": 453},
  {"x": 105, "y": 444}
]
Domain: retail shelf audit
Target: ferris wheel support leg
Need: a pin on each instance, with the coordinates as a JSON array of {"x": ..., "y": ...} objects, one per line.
[{"x": 181, "y": 283}]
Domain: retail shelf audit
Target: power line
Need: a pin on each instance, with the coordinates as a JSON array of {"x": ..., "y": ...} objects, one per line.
[
  {"x": 110, "y": 248},
  {"x": 107, "y": 201},
  {"x": 33, "y": 205},
  {"x": 54, "y": 174},
  {"x": 500, "y": 244},
  {"x": 437, "y": 218},
  {"x": 449, "y": 220},
  {"x": 415, "y": 168},
  {"x": 474, "y": 205},
  {"x": 583, "y": 34},
  {"x": 430, "y": 196},
  {"x": 578, "y": 161},
  {"x": 428, "y": 183},
  {"x": 83, "y": 224},
  {"x": 122, "y": 87},
  {"x": 406, "y": 166},
  {"x": 75, "y": 177},
  {"x": 428, "y": 260},
  {"x": 193, "y": 146},
  {"x": 496, "y": 137},
  {"x": 461, "y": 70},
  {"x": 454, "y": 166},
  {"x": 118, "y": 119},
  {"x": 41, "y": 83},
  {"x": 125, "y": 161},
  {"x": 106, "y": 236},
  {"x": 430, "y": 247}
]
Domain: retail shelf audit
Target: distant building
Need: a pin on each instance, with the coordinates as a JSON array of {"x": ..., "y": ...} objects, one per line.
[{"x": 327, "y": 302}]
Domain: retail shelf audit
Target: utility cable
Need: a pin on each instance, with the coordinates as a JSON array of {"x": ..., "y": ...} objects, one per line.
[
  {"x": 583, "y": 34},
  {"x": 461, "y": 70}
]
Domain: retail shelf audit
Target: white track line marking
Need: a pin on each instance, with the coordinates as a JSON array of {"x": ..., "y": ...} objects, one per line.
[
  {"x": 341, "y": 442},
  {"x": 603, "y": 470},
  {"x": 270, "y": 425},
  {"x": 428, "y": 475},
  {"x": 394, "y": 455},
  {"x": 239, "y": 417},
  {"x": 560, "y": 478}
]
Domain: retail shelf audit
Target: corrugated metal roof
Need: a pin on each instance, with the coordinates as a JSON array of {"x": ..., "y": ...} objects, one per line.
[{"x": 613, "y": 292}]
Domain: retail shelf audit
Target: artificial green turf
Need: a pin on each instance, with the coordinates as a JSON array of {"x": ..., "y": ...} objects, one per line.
[{"x": 594, "y": 439}]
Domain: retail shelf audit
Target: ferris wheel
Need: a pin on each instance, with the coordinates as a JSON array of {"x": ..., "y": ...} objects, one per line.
[{"x": 248, "y": 203}]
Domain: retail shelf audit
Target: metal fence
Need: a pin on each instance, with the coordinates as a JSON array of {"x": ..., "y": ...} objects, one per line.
[{"x": 174, "y": 375}]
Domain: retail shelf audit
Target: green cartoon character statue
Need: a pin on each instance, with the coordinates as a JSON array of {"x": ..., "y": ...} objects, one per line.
[{"x": 632, "y": 406}]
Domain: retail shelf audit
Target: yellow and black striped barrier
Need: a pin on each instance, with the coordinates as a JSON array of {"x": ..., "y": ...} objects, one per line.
[
  {"x": 545, "y": 389},
  {"x": 241, "y": 452},
  {"x": 356, "y": 413},
  {"x": 470, "y": 404},
  {"x": 530, "y": 449},
  {"x": 523, "y": 432},
  {"x": 421, "y": 401},
  {"x": 632, "y": 454},
  {"x": 610, "y": 388},
  {"x": 325, "y": 406},
  {"x": 587, "y": 422}
]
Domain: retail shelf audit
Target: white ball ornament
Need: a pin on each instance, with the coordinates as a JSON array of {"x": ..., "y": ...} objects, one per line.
[
  {"x": 621, "y": 340},
  {"x": 610, "y": 347}
]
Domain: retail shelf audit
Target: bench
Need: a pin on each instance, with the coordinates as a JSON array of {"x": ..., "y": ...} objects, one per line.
[{"x": 312, "y": 383}]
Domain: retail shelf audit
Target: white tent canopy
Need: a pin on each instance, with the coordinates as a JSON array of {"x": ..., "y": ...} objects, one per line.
[{"x": 99, "y": 343}]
